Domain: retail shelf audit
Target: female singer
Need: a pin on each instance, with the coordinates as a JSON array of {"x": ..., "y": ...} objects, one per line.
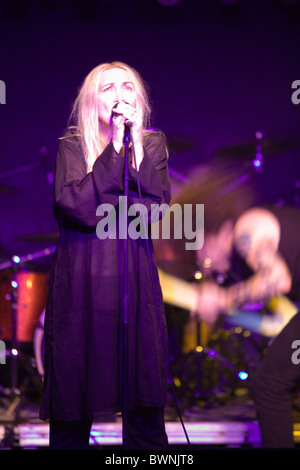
[{"x": 84, "y": 309}]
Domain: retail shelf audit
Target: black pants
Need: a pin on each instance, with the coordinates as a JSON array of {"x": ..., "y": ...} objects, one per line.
[
  {"x": 272, "y": 385},
  {"x": 145, "y": 430}
]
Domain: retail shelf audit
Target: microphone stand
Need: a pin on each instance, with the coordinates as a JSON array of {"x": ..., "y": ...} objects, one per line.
[{"x": 125, "y": 321}]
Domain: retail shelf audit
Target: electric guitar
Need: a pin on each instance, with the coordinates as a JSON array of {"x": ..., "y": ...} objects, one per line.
[{"x": 182, "y": 294}]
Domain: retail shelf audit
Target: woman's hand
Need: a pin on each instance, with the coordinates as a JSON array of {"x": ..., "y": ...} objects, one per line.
[{"x": 124, "y": 112}]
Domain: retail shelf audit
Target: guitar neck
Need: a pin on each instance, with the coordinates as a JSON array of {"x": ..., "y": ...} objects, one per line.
[
  {"x": 182, "y": 294},
  {"x": 177, "y": 292}
]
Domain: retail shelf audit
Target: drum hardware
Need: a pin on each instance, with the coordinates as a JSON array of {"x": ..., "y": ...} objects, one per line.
[
  {"x": 220, "y": 371},
  {"x": 15, "y": 393},
  {"x": 268, "y": 146},
  {"x": 39, "y": 344},
  {"x": 43, "y": 163},
  {"x": 14, "y": 309},
  {"x": 198, "y": 373},
  {"x": 209, "y": 372},
  {"x": 178, "y": 144},
  {"x": 50, "y": 237},
  {"x": 7, "y": 190}
]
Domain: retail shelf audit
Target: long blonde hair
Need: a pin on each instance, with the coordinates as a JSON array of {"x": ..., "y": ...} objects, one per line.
[{"x": 84, "y": 120}]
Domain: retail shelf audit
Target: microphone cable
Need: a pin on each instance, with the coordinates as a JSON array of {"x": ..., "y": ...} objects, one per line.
[{"x": 155, "y": 298}]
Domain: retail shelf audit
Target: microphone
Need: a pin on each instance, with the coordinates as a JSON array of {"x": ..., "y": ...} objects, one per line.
[{"x": 114, "y": 112}]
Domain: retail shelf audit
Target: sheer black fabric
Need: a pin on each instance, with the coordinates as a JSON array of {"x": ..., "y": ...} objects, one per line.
[{"x": 83, "y": 315}]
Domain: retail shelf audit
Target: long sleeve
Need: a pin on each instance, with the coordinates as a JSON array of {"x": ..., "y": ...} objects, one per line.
[
  {"x": 153, "y": 173},
  {"x": 78, "y": 194}
]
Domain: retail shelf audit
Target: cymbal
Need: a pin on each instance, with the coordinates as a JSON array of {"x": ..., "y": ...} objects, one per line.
[
  {"x": 39, "y": 237},
  {"x": 7, "y": 190},
  {"x": 248, "y": 149},
  {"x": 180, "y": 144},
  {"x": 177, "y": 267}
]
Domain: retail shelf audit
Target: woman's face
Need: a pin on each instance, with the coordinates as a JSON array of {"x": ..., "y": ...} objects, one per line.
[{"x": 116, "y": 86}]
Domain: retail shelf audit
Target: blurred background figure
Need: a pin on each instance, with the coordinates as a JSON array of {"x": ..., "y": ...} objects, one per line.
[{"x": 251, "y": 253}]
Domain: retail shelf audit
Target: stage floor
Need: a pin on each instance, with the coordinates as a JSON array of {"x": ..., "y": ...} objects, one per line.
[
  {"x": 231, "y": 425},
  {"x": 215, "y": 406}
]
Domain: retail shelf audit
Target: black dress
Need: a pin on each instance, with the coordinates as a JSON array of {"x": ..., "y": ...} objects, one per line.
[{"x": 83, "y": 314}]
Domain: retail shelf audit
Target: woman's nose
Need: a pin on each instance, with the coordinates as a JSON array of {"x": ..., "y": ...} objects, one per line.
[{"x": 118, "y": 95}]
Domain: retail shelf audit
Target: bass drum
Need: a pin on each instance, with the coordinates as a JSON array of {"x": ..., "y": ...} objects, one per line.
[
  {"x": 32, "y": 294},
  {"x": 38, "y": 343}
]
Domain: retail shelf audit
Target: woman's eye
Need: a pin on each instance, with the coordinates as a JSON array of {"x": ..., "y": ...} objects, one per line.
[{"x": 128, "y": 88}]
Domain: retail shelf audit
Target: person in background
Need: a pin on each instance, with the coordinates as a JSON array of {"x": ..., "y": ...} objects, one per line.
[{"x": 255, "y": 250}]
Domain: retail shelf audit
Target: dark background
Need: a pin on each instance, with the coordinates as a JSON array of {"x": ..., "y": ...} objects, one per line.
[{"x": 218, "y": 72}]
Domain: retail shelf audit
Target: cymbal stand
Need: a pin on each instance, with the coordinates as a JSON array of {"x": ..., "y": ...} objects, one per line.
[
  {"x": 10, "y": 414},
  {"x": 14, "y": 352},
  {"x": 14, "y": 342}
]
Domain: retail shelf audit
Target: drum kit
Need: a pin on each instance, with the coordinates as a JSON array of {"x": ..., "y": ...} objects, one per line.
[{"x": 23, "y": 295}]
